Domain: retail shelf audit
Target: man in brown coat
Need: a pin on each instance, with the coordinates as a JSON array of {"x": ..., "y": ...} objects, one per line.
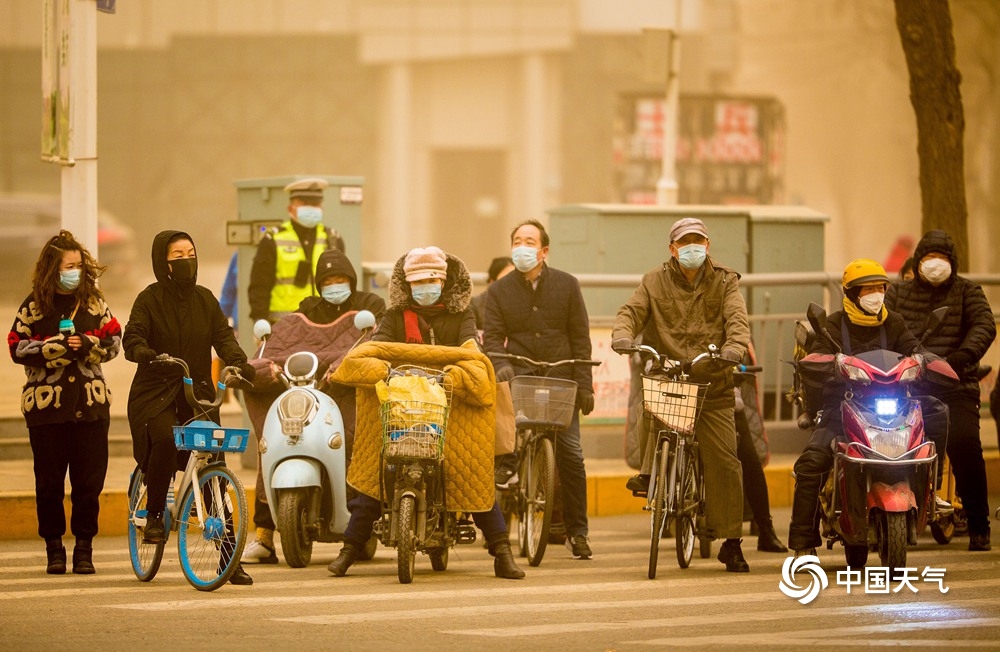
[{"x": 691, "y": 302}]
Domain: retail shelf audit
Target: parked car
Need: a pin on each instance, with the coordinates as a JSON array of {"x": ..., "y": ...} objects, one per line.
[{"x": 27, "y": 221}]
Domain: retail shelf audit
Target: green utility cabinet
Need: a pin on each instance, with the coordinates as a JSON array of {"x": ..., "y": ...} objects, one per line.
[
  {"x": 610, "y": 239},
  {"x": 263, "y": 204}
]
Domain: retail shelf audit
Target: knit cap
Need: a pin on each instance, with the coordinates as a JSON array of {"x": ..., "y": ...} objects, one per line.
[{"x": 424, "y": 263}]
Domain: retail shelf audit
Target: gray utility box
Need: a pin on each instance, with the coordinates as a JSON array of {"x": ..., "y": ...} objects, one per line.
[
  {"x": 633, "y": 239},
  {"x": 263, "y": 204}
]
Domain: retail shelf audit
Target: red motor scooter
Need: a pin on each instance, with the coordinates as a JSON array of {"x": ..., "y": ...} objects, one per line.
[{"x": 881, "y": 492}]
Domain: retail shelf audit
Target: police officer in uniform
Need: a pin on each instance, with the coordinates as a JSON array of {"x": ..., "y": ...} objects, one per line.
[{"x": 282, "y": 272}]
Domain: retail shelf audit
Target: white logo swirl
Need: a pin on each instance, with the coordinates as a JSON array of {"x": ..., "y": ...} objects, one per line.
[{"x": 808, "y": 564}]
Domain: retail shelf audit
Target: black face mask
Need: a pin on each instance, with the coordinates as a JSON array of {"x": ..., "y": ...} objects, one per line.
[{"x": 184, "y": 270}]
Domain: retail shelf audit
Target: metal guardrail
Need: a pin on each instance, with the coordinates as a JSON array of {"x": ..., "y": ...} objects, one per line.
[{"x": 772, "y": 330}]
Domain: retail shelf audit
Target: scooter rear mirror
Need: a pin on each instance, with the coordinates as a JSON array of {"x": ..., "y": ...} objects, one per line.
[
  {"x": 261, "y": 329},
  {"x": 817, "y": 319},
  {"x": 364, "y": 320}
]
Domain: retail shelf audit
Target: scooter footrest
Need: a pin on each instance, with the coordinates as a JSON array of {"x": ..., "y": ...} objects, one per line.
[{"x": 465, "y": 534}]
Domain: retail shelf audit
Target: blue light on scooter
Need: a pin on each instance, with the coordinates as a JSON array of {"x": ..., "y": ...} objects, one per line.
[{"x": 886, "y": 407}]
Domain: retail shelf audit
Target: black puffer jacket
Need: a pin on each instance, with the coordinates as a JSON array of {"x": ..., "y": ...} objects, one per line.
[
  {"x": 968, "y": 327},
  {"x": 334, "y": 262}
]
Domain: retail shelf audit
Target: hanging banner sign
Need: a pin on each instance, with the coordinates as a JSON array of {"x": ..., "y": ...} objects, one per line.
[{"x": 55, "y": 81}]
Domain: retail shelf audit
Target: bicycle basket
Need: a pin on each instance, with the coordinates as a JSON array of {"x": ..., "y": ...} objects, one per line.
[
  {"x": 542, "y": 400},
  {"x": 211, "y": 437},
  {"x": 414, "y": 410},
  {"x": 676, "y": 403}
]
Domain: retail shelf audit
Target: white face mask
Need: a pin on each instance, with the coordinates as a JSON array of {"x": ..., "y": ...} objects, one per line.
[
  {"x": 525, "y": 258},
  {"x": 935, "y": 270},
  {"x": 872, "y": 303},
  {"x": 309, "y": 216}
]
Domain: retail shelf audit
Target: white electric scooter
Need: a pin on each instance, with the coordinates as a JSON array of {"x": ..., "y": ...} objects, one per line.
[{"x": 304, "y": 459}]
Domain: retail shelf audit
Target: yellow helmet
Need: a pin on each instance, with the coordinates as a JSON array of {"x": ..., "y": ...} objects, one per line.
[{"x": 863, "y": 271}]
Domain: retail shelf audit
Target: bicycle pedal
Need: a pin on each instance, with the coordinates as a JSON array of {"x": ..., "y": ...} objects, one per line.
[{"x": 465, "y": 534}]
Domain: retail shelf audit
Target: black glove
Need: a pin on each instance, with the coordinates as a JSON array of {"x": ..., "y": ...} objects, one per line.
[
  {"x": 959, "y": 361},
  {"x": 505, "y": 374},
  {"x": 145, "y": 355},
  {"x": 731, "y": 355},
  {"x": 622, "y": 344},
  {"x": 585, "y": 401},
  {"x": 247, "y": 371}
]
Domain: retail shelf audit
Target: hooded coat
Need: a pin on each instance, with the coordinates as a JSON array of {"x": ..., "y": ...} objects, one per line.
[
  {"x": 469, "y": 442},
  {"x": 452, "y": 320},
  {"x": 968, "y": 326},
  {"x": 333, "y": 262},
  {"x": 185, "y": 321}
]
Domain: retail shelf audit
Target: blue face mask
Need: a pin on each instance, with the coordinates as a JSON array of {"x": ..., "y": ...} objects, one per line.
[
  {"x": 691, "y": 256},
  {"x": 336, "y": 293},
  {"x": 309, "y": 216},
  {"x": 427, "y": 294},
  {"x": 525, "y": 258},
  {"x": 69, "y": 279}
]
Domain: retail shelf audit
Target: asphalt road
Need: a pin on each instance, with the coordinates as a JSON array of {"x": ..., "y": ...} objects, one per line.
[{"x": 606, "y": 603}]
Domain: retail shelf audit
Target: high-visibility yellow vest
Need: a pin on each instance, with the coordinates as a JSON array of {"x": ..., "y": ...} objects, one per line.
[{"x": 285, "y": 295}]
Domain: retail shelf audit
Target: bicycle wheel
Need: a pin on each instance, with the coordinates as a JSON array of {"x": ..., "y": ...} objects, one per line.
[
  {"x": 145, "y": 557},
  {"x": 539, "y": 491},
  {"x": 405, "y": 540},
  {"x": 210, "y": 547},
  {"x": 658, "y": 500},
  {"x": 687, "y": 508}
]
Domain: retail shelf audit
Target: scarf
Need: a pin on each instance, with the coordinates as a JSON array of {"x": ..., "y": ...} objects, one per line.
[
  {"x": 411, "y": 326},
  {"x": 859, "y": 317}
]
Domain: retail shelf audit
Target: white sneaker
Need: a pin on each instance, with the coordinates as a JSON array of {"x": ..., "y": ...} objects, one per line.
[
  {"x": 942, "y": 506},
  {"x": 259, "y": 552}
]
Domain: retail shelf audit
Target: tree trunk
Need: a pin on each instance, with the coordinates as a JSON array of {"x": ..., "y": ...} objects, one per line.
[{"x": 926, "y": 32}]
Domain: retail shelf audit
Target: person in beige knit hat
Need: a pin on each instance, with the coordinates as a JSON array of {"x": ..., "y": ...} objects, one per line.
[{"x": 429, "y": 295}]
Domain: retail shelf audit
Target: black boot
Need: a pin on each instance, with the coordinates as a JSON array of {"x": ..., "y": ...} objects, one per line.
[
  {"x": 240, "y": 577},
  {"x": 154, "y": 532},
  {"x": 83, "y": 563},
  {"x": 767, "y": 540},
  {"x": 348, "y": 555},
  {"x": 57, "y": 557},
  {"x": 503, "y": 564},
  {"x": 731, "y": 555}
]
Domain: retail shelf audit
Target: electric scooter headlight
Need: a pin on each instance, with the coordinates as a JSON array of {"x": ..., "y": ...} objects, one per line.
[
  {"x": 856, "y": 374},
  {"x": 889, "y": 443},
  {"x": 296, "y": 410}
]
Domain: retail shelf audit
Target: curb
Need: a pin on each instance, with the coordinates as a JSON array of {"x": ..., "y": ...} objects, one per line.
[{"x": 606, "y": 495}]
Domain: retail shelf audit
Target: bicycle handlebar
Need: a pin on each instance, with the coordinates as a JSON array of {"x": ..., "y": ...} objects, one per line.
[
  {"x": 231, "y": 375},
  {"x": 678, "y": 366},
  {"x": 537, "y": 363}
]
